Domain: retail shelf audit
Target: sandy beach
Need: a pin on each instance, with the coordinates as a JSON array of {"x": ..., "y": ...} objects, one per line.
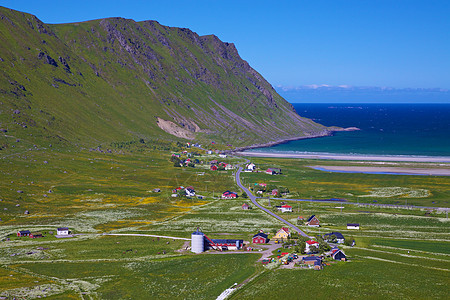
[
  {"x": 445, "y": 159},
  {"x": 384, "y": 170}
]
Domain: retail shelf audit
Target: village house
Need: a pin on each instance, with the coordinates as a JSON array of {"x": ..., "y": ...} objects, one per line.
[
  {"x": 229, "y": 195},
  {"x": 250, "y": 167},
  {"x": 23, "y": 233},
  {"x": 285, "y": 208},
  {"x": 260, "y": 238},
  {"x": 313, "y": 261},
  {"x": 352, "y": 226},
  {"x": 245, "y": 206},
  {"x": 62, "y": 231},
  {"x": 337, "y": 254},
  {"x": 228, "y": 167},
  {"x": 213, "y": 168},
  {"x": 176, "y": 155},
  {"x": 282, "y": 234},
  {"x": 190, "y": 192},
  {"x": 273, "y": 171},
  {"x": 209, "y": 152},
  {"x": 313, "y": 221},
  {"x": 339, "y": 237},
  {"x": 222, "y": 155},
  {"x": 35, "y": 235},
  {"x": 310, "y": 244},
  {"x": 274, "y": 192}
]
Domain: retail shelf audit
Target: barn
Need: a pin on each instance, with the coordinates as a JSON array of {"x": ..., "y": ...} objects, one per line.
[
  {"x": 260, "y": 238},
  {"x": 23, "y": 233}
]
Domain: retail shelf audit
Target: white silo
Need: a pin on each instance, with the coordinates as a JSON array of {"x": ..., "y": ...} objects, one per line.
[{"x": 197, "y": 242}]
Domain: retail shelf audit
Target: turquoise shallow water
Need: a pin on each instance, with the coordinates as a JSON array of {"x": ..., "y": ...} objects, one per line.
[{"x": 386, "y": 129}]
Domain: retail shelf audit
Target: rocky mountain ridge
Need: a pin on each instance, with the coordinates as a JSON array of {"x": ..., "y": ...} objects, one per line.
[{"x": 100, "y": 81}]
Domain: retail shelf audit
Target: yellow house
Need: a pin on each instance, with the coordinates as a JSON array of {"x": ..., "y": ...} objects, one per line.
[{"x": 282, "y": 234}]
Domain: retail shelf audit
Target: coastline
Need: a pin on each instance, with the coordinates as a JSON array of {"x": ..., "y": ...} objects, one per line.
[
  {"x": 358, "y": 157},
  {"x": 282, "y": 141}
]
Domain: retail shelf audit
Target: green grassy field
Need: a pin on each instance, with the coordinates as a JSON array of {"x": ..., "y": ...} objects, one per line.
[{"x": 95, "y": 193}]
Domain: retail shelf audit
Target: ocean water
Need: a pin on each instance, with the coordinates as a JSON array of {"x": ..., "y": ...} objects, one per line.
[{"x": 386, "y": 129}]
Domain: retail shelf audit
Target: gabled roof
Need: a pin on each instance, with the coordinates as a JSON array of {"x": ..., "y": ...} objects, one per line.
[
  {"x": 312, "y": 258},
  {"x": 63, "y": 228},
  {"x": 286, "y": 206},
  {"x": 312, "y": 217},
  {"x": 24, "y": 231},
  {"x": 285, "y": 229},
  {"x": 336, "y": 252},
  {"x": 261, "y": 235},
  {"x": 311, "y": 242},
  {"x": 338, "y": 235}
]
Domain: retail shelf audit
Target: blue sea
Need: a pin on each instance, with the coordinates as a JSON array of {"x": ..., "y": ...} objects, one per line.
[{"x": 386, "y": 129}]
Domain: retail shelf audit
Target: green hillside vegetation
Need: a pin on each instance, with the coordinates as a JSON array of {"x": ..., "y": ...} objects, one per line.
[{"x": 113, "y": 80}]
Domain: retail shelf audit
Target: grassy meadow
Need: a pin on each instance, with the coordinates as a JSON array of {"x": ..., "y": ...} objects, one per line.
[{"x": 96, "y": 193}]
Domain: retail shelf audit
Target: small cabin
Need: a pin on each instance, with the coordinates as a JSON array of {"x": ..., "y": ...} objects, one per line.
[
  {"x": 62, "y": 231},
  {"x": 353, "y": 226},
  {"x": 23, "y": 233},
  {"x": 313, "y": 221}
]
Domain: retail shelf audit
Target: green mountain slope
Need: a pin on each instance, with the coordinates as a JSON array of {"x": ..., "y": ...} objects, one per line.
[{"x": 115, "y": 79}]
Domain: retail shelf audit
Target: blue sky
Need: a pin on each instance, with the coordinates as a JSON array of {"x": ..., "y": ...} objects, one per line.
[{"x": 396, "y": 43}]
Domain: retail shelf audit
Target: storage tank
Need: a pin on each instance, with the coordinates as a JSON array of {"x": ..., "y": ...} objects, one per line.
[{"x": 197, "y": 242}]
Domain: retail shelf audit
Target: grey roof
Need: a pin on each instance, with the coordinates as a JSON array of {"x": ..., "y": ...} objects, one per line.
[
  {"x": 311, "y": 258},
  {"x": 352, "y": 224},
  {"x": 63, "y": 228},
  {"x": 24, "y": 231}
]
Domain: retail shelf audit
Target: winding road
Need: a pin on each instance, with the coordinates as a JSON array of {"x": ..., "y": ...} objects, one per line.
[{"x": 253, "y": 199}]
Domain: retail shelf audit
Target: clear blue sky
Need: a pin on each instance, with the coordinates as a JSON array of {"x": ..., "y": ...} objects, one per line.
[{"x": 395, "y": 43}]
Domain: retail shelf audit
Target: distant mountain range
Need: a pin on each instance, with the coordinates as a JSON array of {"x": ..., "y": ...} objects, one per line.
[
  {"x": 346, "y": 93},
  {"x": 109, "y": 80}
]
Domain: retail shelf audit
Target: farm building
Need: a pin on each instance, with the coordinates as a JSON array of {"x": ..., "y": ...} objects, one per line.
[
  {"x": 339, "y": 237},
  {"x": 23, "y": 233},
  {"x": 352, "y": 226},
  {"x": 273, "y": 171},
  {"x": 313, "y": 221},
  {"x": 62, "y": 231},
  {"x": 229, "y": 195},
  {"x": 260, "y": 238},
  {"x": 213, "y": 168},
  {"x": 282, "y": 234},
  {"x": 200, "y": 242},
  {"x": 310, "y": 244}
]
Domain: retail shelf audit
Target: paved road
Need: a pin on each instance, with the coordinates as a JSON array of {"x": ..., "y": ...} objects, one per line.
[{"x": 253, "y": 199}]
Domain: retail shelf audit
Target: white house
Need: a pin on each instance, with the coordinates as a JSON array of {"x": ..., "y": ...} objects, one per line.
[
  {"x": 223, "y": 155},
  {"x": 285, "y": 208},
  {"x": 352, "y": 226},
  {"x": 309, "y": 244},
  {"x": 250, "y": 167},
  {"x": 62, "y": 231},
  {"x": 209, "y": 152}
]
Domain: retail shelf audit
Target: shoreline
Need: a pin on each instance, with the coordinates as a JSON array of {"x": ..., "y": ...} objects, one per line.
[
  {"x": 358, "y": 157},
  {"x": 282, "y": 141}
]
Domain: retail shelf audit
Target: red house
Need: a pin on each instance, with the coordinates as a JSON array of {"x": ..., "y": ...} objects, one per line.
[
  {"x": 229, "y": 195},
  {"x": 313, "y": 221},
  {"x": 213, "y": 168},
  {"x": 23, "y": 233},
  {"x": 260, "y": 238}
]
